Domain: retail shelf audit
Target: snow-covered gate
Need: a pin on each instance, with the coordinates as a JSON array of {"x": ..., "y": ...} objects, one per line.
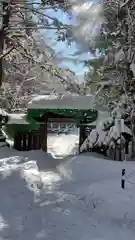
[
  {"x": 31, "y": 131},
  {"x": 65, "y": 109}
]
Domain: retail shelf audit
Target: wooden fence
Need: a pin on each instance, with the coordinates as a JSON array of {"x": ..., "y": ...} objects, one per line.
[{"x": 27, "y": 141}]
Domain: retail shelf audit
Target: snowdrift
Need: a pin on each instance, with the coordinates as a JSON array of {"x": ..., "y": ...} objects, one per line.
[
  {"x": 62, "y": 145},
  {"x": 90, "y": 168},
  {"x": 37, "y": 201},
  {"x": 23, "y": 179}
]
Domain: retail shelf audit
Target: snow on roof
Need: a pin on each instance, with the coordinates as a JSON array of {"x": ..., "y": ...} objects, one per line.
[
  {"x": 61, "y": 102},
  {"x": 17, "y": 118}
]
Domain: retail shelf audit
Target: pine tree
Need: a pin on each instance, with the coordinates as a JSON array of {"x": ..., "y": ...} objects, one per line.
[{"x": 115, "y": 46}]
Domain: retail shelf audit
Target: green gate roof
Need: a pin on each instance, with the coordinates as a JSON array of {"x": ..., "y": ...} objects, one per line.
[
  {"x": 76, "y": 114},
  {"x": 76, "y": 107}
]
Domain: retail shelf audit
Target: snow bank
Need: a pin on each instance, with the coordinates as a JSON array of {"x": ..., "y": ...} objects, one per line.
[
  {"x": 22, "y": 181},
  {"x": 36, "y": 168},
  {"x": 87, "y": 167},
  {"x": 62, "y": 145},
  {"x": 37, "y": 203},
  {"x": 61, "y": 102}
]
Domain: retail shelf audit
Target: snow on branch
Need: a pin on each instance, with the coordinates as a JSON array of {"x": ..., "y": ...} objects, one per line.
[
  {"x": 126, "y": 3},
  {"x": 6, "y": 52}
]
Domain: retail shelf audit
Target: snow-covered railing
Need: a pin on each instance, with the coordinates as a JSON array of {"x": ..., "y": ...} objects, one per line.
[{"x": 61, "y": 127}]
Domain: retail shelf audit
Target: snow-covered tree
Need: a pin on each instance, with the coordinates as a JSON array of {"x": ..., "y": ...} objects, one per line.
[
  {"x": 28, "y": 62},
  {"x": 19, "y": 20},
  {"x": 111, "y": 73},
  {"x": 112, "y": 70}
]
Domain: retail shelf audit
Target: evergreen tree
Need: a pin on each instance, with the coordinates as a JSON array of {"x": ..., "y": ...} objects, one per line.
[{"x": 114, "y": 66}]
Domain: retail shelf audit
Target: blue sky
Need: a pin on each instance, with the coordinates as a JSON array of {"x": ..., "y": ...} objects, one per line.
[{"x": 63, "y": 50}]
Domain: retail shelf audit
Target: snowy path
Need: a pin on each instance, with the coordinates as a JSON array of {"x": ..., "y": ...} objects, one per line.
[
  {"x": 80, "y": 199},
  {"x": 62, "y": 145}
]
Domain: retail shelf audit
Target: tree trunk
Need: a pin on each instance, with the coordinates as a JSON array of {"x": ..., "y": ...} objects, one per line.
[{"x": 5, "y": 22}]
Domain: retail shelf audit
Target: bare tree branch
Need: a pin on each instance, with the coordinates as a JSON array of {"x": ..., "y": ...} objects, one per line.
[{"x": 7, "y": 52}]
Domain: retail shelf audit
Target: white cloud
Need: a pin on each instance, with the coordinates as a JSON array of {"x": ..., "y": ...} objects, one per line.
[{"x": 88, "y": 21}]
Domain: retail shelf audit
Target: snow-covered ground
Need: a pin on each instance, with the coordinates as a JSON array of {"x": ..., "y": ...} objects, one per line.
[
  {"x": 76, "y": 199},
  {"x": 62, "y": 145}
]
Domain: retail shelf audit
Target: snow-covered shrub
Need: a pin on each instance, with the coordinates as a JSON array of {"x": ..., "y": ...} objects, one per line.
[{"x": 107, "y": 140}]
